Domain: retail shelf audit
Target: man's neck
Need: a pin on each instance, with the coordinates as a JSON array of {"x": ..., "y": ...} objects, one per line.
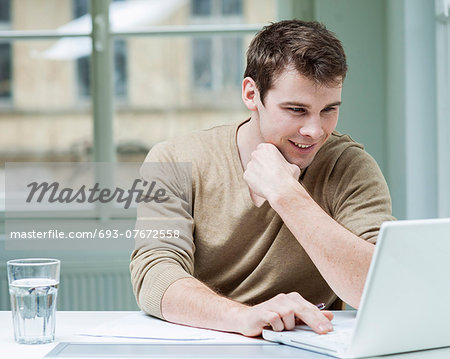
[{"x": 248, "y": 138}]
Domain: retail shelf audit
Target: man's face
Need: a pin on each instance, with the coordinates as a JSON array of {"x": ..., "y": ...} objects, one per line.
[{"x": 298, "y": 116}]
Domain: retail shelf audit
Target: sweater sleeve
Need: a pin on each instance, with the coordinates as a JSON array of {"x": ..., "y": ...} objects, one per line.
[
  {"x": 164, "y": 247},
  {"x": 360, "y": 195}
]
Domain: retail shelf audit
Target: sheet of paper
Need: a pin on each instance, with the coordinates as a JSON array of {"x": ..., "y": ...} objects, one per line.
[{"x": 141, "y": 326}]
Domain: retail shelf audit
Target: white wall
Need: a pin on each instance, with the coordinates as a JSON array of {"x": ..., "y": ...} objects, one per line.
[
  {"x": 411, "y": 108},
  {"x": 389, "y": 97},
  {"x": 360, "y": 25}
]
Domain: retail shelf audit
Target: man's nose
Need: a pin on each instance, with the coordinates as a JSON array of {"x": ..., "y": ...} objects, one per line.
[{"x": 312, "y": 127}]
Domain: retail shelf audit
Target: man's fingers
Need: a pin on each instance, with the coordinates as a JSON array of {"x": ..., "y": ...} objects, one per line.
[
  {"x": 293, "y": 304},
  {"x": 311, "y": 315},
  {"x": 274, "y": 320},
  {"x": 328, "y": 314},
  {"x": 317, "y": 320},
  {"x": 288, "y": 318},
  {"x": 285, "y": 310}
]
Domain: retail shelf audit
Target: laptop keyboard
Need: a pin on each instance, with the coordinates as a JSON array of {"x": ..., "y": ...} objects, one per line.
[
  {"x": 334, "y": 340},
  {"x": 340, "y": 337}
]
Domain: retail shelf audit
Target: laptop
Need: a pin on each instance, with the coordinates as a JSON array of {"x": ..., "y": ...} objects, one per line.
[{"x": 404, "y": 302}]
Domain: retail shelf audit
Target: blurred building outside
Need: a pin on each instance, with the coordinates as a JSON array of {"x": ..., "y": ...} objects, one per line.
[{"x": 164, "y": 86}]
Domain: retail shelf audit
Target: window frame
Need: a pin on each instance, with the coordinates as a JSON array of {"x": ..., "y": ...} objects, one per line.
[
  {"x": 82, "y": 64},
  {"x": 443, "y": 104}
]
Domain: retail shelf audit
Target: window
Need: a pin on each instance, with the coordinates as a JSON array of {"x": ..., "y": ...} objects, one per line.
[
  {"x": 215, "y": 7},
  {"x": 5, "y": 70},
  {"x": 201, "y": 7},
  {"x": 81, "y": 8},
  {"x": 48, "y": 75},
  {"x": 120, "y": 68},
  {"x": 5, "y": 11},
  {"x": 217, "y": 62},
  {"x": 5, "y": 51},
  {"x": 202, "y": 55},
  {"x": 232, "y": 7},
  {"x": 50, "y": 121}
]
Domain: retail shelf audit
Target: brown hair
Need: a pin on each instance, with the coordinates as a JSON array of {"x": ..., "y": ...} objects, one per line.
[{"x": 309, "y": 47}]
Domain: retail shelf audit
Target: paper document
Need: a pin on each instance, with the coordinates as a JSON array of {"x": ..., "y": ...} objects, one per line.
[{"x": 141, "y": 326}]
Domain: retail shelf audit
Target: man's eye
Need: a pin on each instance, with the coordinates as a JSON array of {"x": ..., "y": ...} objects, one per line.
[
  {"x": 328, "y": 109},
  {"x": 296, "y": 109}
]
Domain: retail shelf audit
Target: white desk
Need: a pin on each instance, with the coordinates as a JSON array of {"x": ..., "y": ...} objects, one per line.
[{"x": 69, "y": 324}]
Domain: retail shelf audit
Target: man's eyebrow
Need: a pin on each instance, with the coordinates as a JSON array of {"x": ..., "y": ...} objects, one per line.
[
  {"x": 338, "y": 103},
  {"x": 298, "y": 104}
]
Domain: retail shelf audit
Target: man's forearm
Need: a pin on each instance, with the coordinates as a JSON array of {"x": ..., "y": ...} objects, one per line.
[
  {"x": 188, "y": 301},
  {"x": 342, "y": 258}
]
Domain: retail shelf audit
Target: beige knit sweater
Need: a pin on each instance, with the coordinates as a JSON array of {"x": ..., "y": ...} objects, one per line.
[{"x": 241, "y": 251}]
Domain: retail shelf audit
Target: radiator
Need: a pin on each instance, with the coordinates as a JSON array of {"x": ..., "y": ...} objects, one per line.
[{"x": 87, "y": 286}]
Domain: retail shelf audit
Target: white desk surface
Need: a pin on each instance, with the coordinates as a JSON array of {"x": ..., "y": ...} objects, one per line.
[{"x": 69, "y": 324}]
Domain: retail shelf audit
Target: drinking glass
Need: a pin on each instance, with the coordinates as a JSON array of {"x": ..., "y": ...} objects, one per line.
[{"x": 33, "y": 288}]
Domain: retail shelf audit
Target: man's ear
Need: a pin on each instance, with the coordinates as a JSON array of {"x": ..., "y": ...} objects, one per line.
[{"x": 249, "y": 93}]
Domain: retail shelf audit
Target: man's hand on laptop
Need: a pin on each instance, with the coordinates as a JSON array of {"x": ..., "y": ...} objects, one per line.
[{"x": 281, "y": 313}]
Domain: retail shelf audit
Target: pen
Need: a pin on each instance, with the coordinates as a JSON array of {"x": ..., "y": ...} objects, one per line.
[{"x": 320, "y": 306}]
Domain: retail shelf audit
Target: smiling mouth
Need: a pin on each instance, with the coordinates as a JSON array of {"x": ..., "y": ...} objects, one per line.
[{"x": 299, "y": 145}]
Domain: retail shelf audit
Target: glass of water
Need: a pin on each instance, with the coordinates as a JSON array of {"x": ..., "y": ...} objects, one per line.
[{"x": 33, "y": 288}]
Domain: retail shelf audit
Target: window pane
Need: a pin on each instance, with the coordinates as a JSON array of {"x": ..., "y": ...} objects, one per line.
[
  {"x": 231, "y": 7},
  {"x": 163, "y": 100},
  {"x": 45, "y": 120},
  {"x": 5, "y": 70},
  {"x": 232, "y": 61},
  {"x": 120, "y": 73},
  {"x": 120, "y": 69},
  {"x": 137, "y": 14},
  {"x": 83, "y": 76},
  {"x": 202, "y": 63},
  {"x": 80, "y": 8},
  {"x": 45, "y": 15},
  {"x": 201, "y": 7},
  {"x": 5, "y": 8}
]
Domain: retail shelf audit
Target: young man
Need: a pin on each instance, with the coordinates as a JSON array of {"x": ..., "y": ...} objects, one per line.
[{"x": 282, "y": 213}]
